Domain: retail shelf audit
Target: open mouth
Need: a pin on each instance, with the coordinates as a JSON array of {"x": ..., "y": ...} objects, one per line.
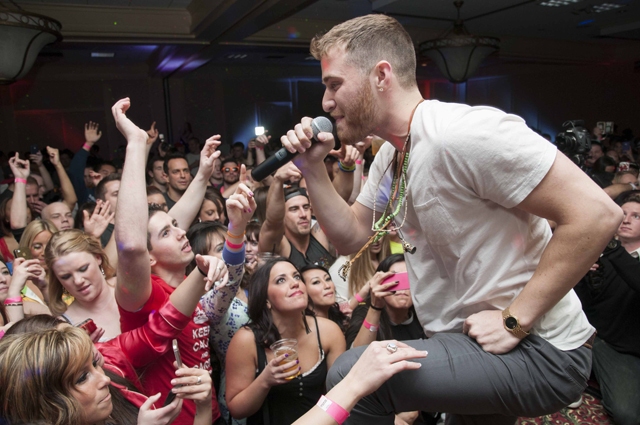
[{"x": 186, "y": 247}]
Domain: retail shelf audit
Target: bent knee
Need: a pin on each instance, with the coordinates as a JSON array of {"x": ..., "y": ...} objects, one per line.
[{"x": 342, "y": 366}]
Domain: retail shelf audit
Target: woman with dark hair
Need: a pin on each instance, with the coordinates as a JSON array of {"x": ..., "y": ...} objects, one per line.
[
  {"x": 212, "y": 208},
  {"x": 263, "y": 387},
  {"x": 322, "y": 295},
  {"x": 386, "y": 314}
]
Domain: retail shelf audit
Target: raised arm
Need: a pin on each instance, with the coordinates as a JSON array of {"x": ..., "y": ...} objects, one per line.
[
  {"x": 133, "y": 286},
  {"x": 586, "y": 221},
  {"x": 44, "y": 173},
  {"x": 187, "y": 208},
  {"x": 354, "y": 227},
  {"x": 68, "y": 193},
  {"x": 343, "y": 180},
  {"x": 272, "y": 231},
  {"x": 20, "y": 169}
]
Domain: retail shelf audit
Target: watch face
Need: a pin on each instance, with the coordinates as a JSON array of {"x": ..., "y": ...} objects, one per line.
[{"x": 511, "y": 322}]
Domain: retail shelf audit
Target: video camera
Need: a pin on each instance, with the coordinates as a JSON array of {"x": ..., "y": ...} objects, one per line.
[{"x": 575, "y": 141}]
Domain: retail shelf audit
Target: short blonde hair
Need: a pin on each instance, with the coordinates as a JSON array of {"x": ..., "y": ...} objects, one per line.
[
  {"x": 38, "y": 370},
  {"x": 369, "y": 39},
  {"x": 61, "y": 244}
]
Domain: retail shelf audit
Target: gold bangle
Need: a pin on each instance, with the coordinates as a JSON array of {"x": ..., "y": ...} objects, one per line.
[{"x": 231, "y": 235}]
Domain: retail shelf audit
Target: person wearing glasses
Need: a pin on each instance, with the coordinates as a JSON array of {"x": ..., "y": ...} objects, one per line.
[{"x": 230, "y": 173}]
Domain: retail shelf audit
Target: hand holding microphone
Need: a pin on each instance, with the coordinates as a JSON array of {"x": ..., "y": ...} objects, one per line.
[{"x": 296, "y": 141}]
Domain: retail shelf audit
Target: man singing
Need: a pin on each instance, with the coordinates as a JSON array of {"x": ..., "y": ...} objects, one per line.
[{"x": 469, "y": 189}]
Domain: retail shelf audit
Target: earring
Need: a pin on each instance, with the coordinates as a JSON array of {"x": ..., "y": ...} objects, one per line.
[
  {"x": 102, "y": 270},
  {"x": 381, "y": 89}
]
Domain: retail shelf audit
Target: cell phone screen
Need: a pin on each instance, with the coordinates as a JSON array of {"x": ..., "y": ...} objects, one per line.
[{"x": 176, "y": 352}]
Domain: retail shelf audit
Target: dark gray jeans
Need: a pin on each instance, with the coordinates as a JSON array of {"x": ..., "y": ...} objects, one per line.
[{"x": 472, "y": 386}]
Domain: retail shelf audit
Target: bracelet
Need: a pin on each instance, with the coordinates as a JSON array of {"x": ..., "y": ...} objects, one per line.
[
  {"x": 346, "y": 169},
  {"x": 358, "y": 298},
  {"x": 372, "y": 328},
  {"x": 260, "y": 147},
  {"x": 376, "y": 308},
  {"x": 13, "y": 300},
  {"x": 234, "y": 245},
  {"x": 86, "y": 146},
  {"x": 358, "y": 162},
  {"x": 201, "y": 272},
  {"x": 337, "y": 412},
  {"x": 19, "y": 180},
  {"x": 13, "y": 305},
  {"x": 231, "y": 235}
]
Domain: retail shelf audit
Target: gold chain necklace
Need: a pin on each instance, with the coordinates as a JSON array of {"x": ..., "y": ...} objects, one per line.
[{"x": 397, "y": 195}]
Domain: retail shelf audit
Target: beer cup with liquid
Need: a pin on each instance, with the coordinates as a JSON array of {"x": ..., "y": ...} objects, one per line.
[{"x": 286, "y": 346}]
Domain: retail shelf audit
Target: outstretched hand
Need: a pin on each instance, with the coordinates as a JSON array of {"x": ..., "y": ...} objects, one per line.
[
  {"x": 346, "y": 154},
  {"x": 96, "y": 223},
  {"x": 215, "y": 270},
  {"x": 241, "y": 205},
  {"x": 208, "y": 156},
  {"x": 129, "y": 130},
  {"x": 91, "y": 132},
  {"x": 54, "y": 156},
  {"x": 153, "y": 134}
]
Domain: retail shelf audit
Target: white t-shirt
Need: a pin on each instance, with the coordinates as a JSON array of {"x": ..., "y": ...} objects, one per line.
[{"x": 468, "y": 168}]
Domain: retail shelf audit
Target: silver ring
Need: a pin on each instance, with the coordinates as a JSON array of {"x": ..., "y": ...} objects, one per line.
[
  {"x": 217, "y": 283},
  {"x": 392, "y": 348},
  {"x": 199, "y": 381}
]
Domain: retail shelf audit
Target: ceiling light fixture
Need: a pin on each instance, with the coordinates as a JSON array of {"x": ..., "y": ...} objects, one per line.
[
  {"x": 558, "y": 3},
  {"x": 457, "y": 53},
  {"x": 605, "y": 7},
  {"x": 22, "y": 36}
]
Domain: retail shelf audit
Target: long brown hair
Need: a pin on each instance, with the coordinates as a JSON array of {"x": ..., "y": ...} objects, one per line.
[
  {"x": 61, "y": 244},
  {"x": 363, "y": 268},
  {"x": 38, "y": 370}
]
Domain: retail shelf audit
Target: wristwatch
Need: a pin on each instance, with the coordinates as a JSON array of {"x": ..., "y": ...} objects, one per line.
[{"x": 512, "y": 324}]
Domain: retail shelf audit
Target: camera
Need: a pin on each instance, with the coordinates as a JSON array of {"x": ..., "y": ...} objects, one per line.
[{"x": 575, "y": 141}]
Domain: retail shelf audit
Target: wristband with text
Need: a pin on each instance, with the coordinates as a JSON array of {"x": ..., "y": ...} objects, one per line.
[{"x": 337, "y": 412}]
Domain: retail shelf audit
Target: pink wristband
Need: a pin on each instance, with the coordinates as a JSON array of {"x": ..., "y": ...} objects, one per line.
[
  {"x": 234, "y": 245},
  {"x": 86, "y": 146},
  {"x": 358, "y": 298},
  {"x": 1, "y": 334},
  {"x": 19, "y": 180},
  {"x": 13, "y": 300},
  {"x": 358, "y": 161},
  {"x": 372, "y": 328},
  {"x": 338, "y": 413}
]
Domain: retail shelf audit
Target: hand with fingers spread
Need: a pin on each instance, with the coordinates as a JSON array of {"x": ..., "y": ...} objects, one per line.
[
  {"x": 129, "y": 130},
  {"x": 299, "y": 140},
  {"x": 262, "y": 140},
  {"x": 162, "y": 416},
  {"x": 19, "y": 167},
  {"x": 214, "y": 270},
  {"x": 54, "y": 156},
  {"x": 96, "y": 223},
  {"x": 193, "y": 384},
  {"x": 208, "y": 156},
  {"x": 153, "y": 134},
  {"x": 241, "y": 205},
  {"x": 379, "y": 290},
  {"x": 91, "y": 132}
]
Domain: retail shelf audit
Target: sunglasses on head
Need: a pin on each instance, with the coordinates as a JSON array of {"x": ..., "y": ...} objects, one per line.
[{"x": 229, "y": 169}]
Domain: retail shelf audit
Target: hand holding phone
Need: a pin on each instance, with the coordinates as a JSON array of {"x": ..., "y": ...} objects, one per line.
[
  {"x": 88, "y": 325},
  {"x": 176, "y": 353},
  {"x": 402, "y": 279}
]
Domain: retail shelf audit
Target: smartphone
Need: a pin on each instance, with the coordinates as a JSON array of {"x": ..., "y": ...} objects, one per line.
[
  {"x": 34, "y": 149},
  {"x": 176, "y": 353},
  {"x": 19, "y": 253},
  {"x": 402, "y": 279},
  {"x": 88, "y": 325},
  {"x": 259, "y": 131}
]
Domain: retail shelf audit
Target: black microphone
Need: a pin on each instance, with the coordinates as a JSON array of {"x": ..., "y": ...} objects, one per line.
[{"x": 282, "y": 156}]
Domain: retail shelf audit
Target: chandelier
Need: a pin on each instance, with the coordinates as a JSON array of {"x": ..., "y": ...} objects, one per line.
[
  {"x": 22, "y": 36},
  {"x": 457, "y": 53}
]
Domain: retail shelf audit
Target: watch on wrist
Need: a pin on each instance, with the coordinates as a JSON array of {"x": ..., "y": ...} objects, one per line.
[{"x": 512, "y": 324}]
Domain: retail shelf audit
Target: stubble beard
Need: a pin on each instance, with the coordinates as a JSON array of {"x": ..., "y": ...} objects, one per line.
[{"x": 359, "y": 116}]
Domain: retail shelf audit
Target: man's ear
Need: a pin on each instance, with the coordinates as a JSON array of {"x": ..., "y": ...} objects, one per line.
[{"x": 382, "y": 73}]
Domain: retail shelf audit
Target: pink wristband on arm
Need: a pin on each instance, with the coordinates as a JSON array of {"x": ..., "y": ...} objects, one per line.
[
  {"x": 13, "y": 300},
  {"x": 86, "y": 146},
  {"x": 358, "y": 298},
  {"x": 358, "y": 161},
  {"x": 19, "y": 180},
  {"x": 234, "y": 245},
  {"x": 338, "y": 413}
]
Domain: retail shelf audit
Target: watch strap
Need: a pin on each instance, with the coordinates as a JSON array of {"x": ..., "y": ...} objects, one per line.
[{"x": 517, "y": 329}]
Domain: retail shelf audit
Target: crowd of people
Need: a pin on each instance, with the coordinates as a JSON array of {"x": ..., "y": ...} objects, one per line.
[{"x": 155, "y": 287}]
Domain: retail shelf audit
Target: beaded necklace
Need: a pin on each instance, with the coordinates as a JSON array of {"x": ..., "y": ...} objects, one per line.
[{"x": 397, "y": 196}]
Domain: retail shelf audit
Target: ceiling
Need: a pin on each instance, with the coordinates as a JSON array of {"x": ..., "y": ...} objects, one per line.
[{"x": 176, "y": 36}]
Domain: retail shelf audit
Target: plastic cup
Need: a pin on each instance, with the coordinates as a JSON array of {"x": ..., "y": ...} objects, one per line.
[{"x": 287, "y": 346}]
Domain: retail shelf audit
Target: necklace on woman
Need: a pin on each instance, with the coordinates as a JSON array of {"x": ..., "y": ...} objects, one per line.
[{"x": 397, "y": 197}]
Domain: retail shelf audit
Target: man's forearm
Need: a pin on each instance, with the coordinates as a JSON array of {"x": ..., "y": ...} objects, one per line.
[
  {"x": 132, "y": 209},
  {"x": 337, "y": 219},
  {"x": 273, "y": 226},
  {"x": 46, "y": 177},
  {"x": 571, "y": 252},
  {"x": 68, "y": 193},
  {"x": 188, "y": 206},
  {"x": 18, "y": 217},
  {"x": 343, "y": 183}
]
